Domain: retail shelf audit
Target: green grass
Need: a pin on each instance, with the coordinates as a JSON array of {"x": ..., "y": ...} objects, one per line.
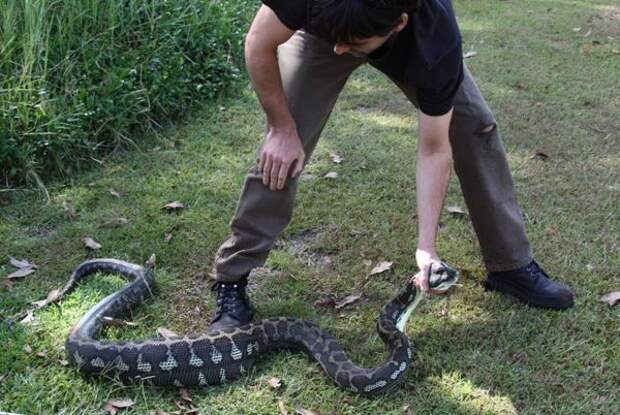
[{"x": 552, "y": 90}]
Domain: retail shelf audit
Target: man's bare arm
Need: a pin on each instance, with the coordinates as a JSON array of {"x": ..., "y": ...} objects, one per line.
[
  {"x": 283, "y": 147},
  {"x": 433, "y": 174}
]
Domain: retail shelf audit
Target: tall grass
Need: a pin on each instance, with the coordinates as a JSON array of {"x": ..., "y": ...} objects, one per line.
[{"x": 80, "y": 77}]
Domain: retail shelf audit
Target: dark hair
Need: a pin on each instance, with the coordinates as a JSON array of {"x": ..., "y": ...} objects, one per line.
[{"x": 343, "y": 21}]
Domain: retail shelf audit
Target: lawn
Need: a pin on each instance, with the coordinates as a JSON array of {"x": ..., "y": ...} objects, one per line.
[{"x": 551, "y": 72}]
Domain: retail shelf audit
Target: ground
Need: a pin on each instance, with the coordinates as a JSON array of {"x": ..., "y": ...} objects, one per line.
[{"x": 550, "y": 71}]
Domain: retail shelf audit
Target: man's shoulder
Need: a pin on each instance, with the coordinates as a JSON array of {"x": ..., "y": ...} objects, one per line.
[
  {"x": 436, "y": 31},
  {"x": 292, "y": 13}
]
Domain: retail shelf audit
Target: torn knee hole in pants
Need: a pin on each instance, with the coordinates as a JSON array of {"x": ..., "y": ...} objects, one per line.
[{"x": 488, "y": 128}]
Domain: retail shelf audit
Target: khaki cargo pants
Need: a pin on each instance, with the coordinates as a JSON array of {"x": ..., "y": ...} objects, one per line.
[{"x": 313, "y": 76}]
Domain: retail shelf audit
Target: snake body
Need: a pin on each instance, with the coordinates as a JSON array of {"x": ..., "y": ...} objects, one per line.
[{"x": 221, "y": 356}]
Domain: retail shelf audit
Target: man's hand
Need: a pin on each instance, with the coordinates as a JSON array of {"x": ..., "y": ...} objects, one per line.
[
  {"x": 282, "y": 150},
  {"x": 426, "y": 258}
]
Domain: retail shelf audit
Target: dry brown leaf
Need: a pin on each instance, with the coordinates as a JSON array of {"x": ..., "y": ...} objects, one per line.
[
  {"x": 51, "y": 297},
  {"x": 469, "y": 54},
  {"x": 114, "y": 405},
  {"x": 541, "y": 156},
  {"x": 90, "y": 243},
  {"x": 612, "y": 298},
  {"x": 331, "y": 175},
  {"x": 176, "y": 205},
  {"x": 275, "y": 383},
  {"x": 336, "y": 158},
  {"x": 282, "y": 408},
  {"x": 164, "y": 332},
  {"x": 69, "y": 210},
  {"x": 152, "y": 261},
  {"x": 21, "y": 264},
  {"x": 29, "y": 318},
  {"x": 8, "y": 284},
  {"x": 21, "y": 273},
  {"x": 114, "y": 223},
  {"x": 381, "y": 267},
  {"x": 350, "y": 299},
  {"x": 455, "y": 210},
  {"x": 302, "y": 411},
  {"x": 117, "y": 322},
  {"x": 186, "y": 395},
  {"x": 27, "y": 349},
  {"x": 168, "y": 237},
  {"x": 115, "y": 193}
]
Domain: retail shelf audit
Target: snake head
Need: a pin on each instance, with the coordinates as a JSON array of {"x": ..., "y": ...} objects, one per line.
[{"x": 442, "y": 278}]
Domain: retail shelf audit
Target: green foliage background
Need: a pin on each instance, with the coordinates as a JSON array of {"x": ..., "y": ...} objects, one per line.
[{"x": 79, "y": 77}]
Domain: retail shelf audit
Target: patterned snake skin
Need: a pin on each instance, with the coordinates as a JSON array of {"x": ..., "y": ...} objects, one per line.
[{"x": 216, "y": 358}]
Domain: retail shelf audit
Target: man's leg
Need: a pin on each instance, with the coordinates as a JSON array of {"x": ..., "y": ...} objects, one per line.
[
  {"x": 483, "y": 172},
  {"x": 312, "y": 77}
]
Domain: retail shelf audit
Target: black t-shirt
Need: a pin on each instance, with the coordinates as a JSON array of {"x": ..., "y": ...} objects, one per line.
[{"x": 426, "y": 54}]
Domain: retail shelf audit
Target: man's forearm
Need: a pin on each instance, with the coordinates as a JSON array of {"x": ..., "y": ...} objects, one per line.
[
  {"x": 432, "y": 177},
  {"x": 264, "y": 72}
]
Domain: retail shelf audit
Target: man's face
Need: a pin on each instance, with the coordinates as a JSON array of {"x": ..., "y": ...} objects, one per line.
[{"x": 363, "y": 47}]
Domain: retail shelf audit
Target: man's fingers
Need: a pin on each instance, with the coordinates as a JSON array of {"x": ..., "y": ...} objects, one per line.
[
  {"x": 299, "y": 165},
  {"x": 282, "y": 176},
  {"x": 275, "y": 169},
  {"x": 261, "y": 162},
  {"x": 266, "y": 170}
]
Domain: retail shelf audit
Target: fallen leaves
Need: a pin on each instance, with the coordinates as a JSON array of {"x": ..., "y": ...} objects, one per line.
[
  {"x": 302, "y": 411},
  {"x": 114, "y": 223},
  {"x": 331, "y": 175},
  {"x": 115, "y": 193},
  {"x": 185, "y": 404},
  {"x": 612, "y": 299},
  {"x": 174, "y": 206},
  {"x": 381, "y": 267},
  {"x": 113, "y": 406},
  {"x": 117, "y": 322},
  {"x": 21, "y": 273},
  {"x": 275, "y": 383},
  {"x": 469, "y": 54},
  {"x": 455, "y": 210},
  {"x": 90, "y": 243},
  {"x": 348, "y": 300},
  {"x": 540, "y": 155},
  {"x": 24, "y": 268},
  {"x": 281, "y": 407},
  {"x": 69, "y": 210},
  {"x": 151, "y": 261},
  {"x": 21, "y": 264},
  {"x": 28, "y": 319},
  {"x": 336, "y": 158},
  {"x": 166, "y": 333}
]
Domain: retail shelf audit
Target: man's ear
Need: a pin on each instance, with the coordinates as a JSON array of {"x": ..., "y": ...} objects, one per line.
[{"x": 404, "y": 19}]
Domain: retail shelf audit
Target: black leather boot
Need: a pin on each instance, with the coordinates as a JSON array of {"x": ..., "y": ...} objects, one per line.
[
  {"x": 233, "y": 308},
  {"x": 532, "y": 286}
]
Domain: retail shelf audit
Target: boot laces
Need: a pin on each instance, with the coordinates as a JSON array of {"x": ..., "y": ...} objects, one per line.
[{"x": 228, "y": 294}]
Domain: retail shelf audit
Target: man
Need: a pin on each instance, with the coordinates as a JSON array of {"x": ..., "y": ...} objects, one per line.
[{"x": 299, "y": 54}]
